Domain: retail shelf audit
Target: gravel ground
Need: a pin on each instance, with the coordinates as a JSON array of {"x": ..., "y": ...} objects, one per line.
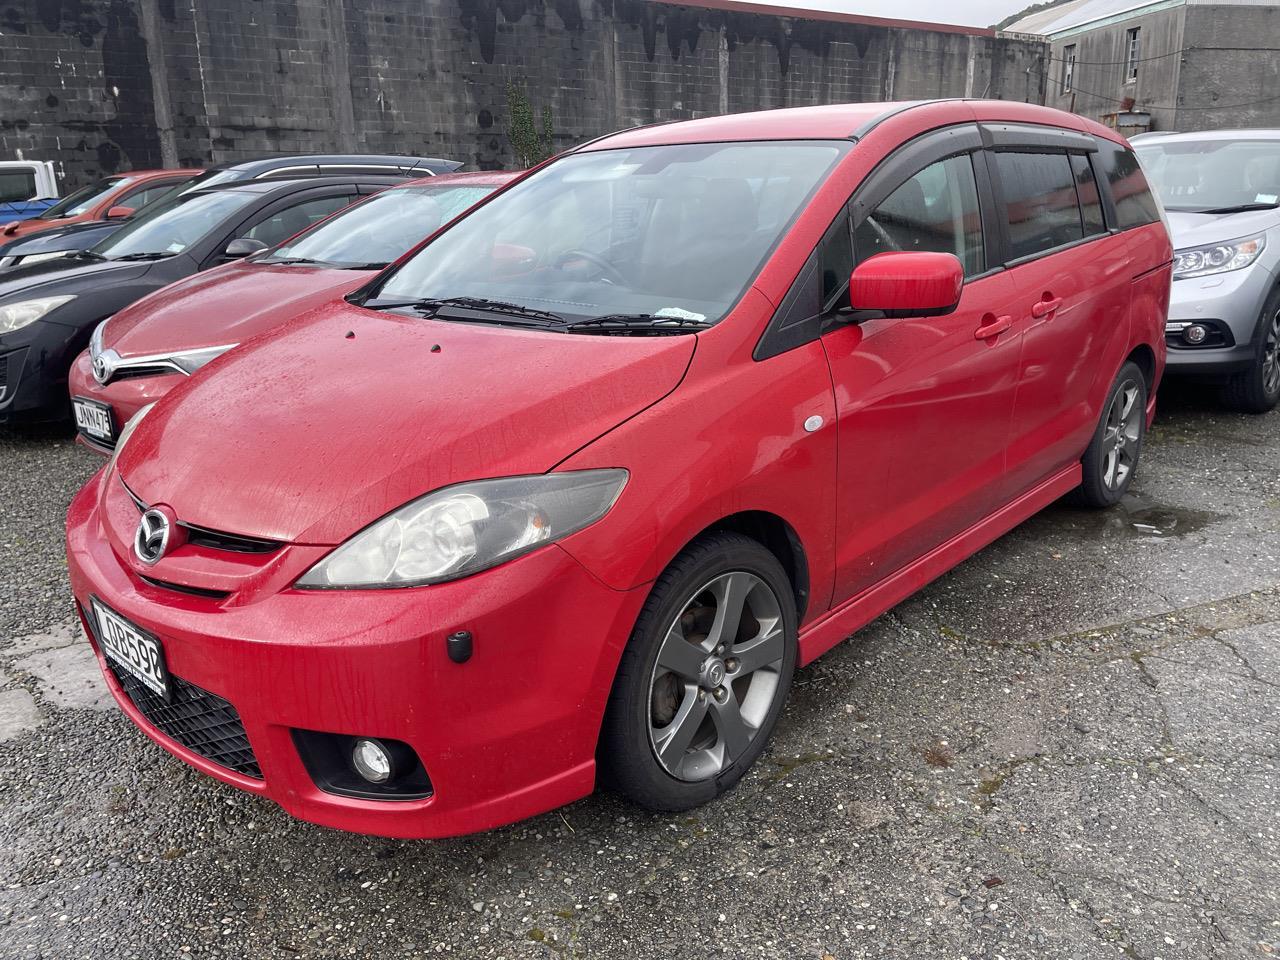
[{"x": 1067, "y": 747}]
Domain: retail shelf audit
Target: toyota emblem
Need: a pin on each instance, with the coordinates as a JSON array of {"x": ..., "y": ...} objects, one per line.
[
  {"x": 152, "y": 538},
  {"x": 101, "y": 369}
]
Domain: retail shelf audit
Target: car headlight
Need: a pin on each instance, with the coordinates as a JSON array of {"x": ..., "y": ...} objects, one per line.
[
  {"x": 463, "y": 529},
  {"x": 126, "y": 432},
  {"x": 1217, "y": 257},
  {"x": 15, "y": 316},
  {"x": 31, "y": 258}
]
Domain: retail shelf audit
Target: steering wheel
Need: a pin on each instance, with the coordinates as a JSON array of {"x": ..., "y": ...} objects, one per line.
[
  {"x": 607, "y": 270},
  {"x": 883, "y": 234}
]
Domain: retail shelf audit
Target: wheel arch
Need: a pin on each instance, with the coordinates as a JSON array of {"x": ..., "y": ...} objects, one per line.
[
  {"x": 777, "y": 536},
  {"x": 1145, "y": 359}
]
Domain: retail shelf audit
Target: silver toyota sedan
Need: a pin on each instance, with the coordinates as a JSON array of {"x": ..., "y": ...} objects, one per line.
[{"x": 1221, "y": 190}]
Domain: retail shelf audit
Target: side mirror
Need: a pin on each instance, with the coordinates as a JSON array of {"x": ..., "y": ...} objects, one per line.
[
  {"x": 242, "y": 247},
  {"x": 119, "y": 212},
  {"x": 907, "y": 284}
]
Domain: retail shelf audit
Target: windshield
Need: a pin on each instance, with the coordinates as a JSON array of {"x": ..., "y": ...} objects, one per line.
[
  {"x": 171, "y": 225},
  {"x": 669, "y": 231},
  {"x": 379, "y": 230},
  {"x": 79, "y": 202},
  {"x": 1209, "y": 175}
]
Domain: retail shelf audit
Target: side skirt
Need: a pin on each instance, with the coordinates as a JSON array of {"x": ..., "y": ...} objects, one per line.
[{"x": 857, "y": 612}]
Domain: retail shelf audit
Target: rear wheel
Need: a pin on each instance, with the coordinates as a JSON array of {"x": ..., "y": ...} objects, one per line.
[
  {"x": 1112, "y": 456},
  {"x": 1257, "y": 389},
  {"x": 704, "y": 676}
]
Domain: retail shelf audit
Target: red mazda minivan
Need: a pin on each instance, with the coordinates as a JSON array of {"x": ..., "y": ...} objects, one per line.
[{"x": 573, "y": 489}]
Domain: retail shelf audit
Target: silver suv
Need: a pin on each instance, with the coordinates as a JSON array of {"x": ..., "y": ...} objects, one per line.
[{"x": 1222, "y": 193}]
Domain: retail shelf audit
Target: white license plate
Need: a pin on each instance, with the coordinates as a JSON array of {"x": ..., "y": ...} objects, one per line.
[
  {"x": 93, "y": 418},
  {"x": 132, "y": 649}
]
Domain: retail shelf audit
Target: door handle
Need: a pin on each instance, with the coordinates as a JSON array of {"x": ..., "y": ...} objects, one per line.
[
  {"x": 992, "y": 327},
  {"x": 1045, "y": 307}
]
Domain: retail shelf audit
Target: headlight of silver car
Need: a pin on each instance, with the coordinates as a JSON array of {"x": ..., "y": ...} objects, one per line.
[
  {"x": 1217, "y": 257},
  {"x": 466, "y": 528},
  {"x": 15, "y": 316}
]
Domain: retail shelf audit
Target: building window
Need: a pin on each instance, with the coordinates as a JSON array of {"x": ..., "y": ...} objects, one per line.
[
  {"x": 1133, "y": 48},
  {"x": 1068, "y": 67}
]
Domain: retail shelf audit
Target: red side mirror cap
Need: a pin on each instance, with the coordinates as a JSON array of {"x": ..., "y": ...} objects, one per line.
[
  {"x": 119, "y": 212},
  {"x": 907, "y": 284}
]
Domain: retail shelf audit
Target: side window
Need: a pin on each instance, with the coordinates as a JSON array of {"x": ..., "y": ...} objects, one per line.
[
  {"x": 1040, "y": 201},
  {"x": 140, "y": 198},
  {"x": 836, "y": 264},
  {"x": 1090, "y": 200},
  {"x": 1135, "y": 206},
  {"x": 936, "y": 210},
  {"x": 283, "y": 224}
]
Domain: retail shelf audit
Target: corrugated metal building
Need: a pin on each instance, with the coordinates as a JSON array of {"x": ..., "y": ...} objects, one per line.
[{"x": 1162, "y": 64}]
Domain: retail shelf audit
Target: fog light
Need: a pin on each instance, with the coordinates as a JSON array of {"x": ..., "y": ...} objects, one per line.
[
  {"x": 372, "y": 760},
  {"x": 1195, "y": 333}
]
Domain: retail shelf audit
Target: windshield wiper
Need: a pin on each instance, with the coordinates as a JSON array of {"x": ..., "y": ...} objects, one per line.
[
  {"x": 641, "y": 324},
  {"x": 1242, "y": 208},
  {"x": 477, "y": 305},
  {"x": 290, "y": 261},
  {"x": 87, "y": 255},
  {"x": 151, "y": 255}
]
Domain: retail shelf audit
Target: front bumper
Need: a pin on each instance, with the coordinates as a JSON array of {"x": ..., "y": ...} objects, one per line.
[
  {"x": 33, "y": 371},
  {"x": 125, "y": 396},
  {"x": 508, "y": 734},
  {"x": 1230, "y": 301}
]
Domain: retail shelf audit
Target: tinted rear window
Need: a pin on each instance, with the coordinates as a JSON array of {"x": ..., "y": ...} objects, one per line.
[
  {"x": 1135, "y": 206},
  {"x": 1090, "y": 201},
  {"x": 1040, "y": 201}
]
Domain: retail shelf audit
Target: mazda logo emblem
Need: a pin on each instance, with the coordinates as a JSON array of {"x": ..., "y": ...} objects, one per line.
[{"x": 152, "y": 538}]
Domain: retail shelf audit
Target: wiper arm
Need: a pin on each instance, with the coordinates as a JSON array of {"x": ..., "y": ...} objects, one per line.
[
  {"x": 151, "y": 255},
  {"x": 290, "y": 261},
  {"x": 1242, "y": 208},
  {"x": 479, "y": 305},
  {"x": 642, "y": 324},
  {"x": 87, "y": 255}
]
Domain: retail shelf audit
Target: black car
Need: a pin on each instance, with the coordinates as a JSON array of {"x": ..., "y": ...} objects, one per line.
[
  {"x": 48, "y": 310},
  {"x": 81, "y": 236}
]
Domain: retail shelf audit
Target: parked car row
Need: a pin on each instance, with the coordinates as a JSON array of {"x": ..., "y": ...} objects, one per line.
[
  {"x": 50, "y": 304},
  {"x": 425, "y": 519}
]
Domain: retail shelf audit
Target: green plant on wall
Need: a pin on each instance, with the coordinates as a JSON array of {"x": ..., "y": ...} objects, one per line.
[{"x": 530, "y": 144}]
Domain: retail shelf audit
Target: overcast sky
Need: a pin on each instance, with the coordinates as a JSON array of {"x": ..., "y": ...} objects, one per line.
[{"x": 978, "y": 13}]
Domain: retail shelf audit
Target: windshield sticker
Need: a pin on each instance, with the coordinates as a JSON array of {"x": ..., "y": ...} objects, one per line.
[
  {"x": 676, "y": 313},
  {"x": 175, "y": 247},
  {"x": 1266, "y": 198}
]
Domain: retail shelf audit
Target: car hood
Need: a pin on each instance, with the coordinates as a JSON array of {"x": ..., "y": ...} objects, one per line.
[
  {"x": 70, "y": 236},
  {"x": 225, "y": 305},
  {"x": 340, "y": 416},
  {"x": 1199, "y": 229},
  {"x": 51, "y": 277}
]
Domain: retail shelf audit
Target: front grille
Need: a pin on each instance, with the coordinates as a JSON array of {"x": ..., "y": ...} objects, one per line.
[
  {"x": 201, "y": 721},
  {"x": 183, "y": 588},
  {"x": 213, "y": 539},
  {"x": 10, "y": 372}
]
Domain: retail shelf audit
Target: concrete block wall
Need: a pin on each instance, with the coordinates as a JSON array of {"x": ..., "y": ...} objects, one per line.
[{"x": 107, "y": 85}]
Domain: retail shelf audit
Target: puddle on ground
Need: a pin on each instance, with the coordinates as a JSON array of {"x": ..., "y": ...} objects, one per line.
[{"x": 1136, "y": 517}]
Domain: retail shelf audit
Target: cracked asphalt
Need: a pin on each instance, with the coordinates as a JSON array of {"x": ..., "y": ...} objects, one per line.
[{"x": 1067, "y": 747}]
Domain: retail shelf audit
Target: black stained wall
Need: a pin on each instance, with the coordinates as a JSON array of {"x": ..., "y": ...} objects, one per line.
[{"x": 107, "y": 85}]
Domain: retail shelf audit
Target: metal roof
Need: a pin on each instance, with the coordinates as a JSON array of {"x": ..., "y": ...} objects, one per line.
[{"x": 1083, "y": 14}]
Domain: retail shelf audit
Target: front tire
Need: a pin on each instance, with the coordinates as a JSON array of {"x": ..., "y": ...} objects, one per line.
[
  {"x": 1257, "y": 390},
  {"x": 1108, "y": 464},
  {"x": 704, "y": 676}
]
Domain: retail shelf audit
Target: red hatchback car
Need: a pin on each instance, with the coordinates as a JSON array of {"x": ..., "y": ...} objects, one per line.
[
  {"x": 110, "y": 198},
  {"x": 572, "y": 490},
  {"x": 140, "y": 353}
]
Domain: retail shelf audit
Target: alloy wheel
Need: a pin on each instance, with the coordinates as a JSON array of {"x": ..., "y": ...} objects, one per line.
[
  {"x": 1121, "y": 435},
  {"x": 716, "y": 676},
  {"x": 1271, "y": 358}
]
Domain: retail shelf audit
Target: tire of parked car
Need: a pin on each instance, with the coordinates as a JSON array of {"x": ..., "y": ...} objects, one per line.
[
  {"x": 1257, "y": 389},
  {"x": 1112, "y": 456},
  {"x": 695, "y": 699}
]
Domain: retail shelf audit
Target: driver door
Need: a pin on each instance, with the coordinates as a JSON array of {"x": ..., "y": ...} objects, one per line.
[{"x": 923, "y": 404}]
